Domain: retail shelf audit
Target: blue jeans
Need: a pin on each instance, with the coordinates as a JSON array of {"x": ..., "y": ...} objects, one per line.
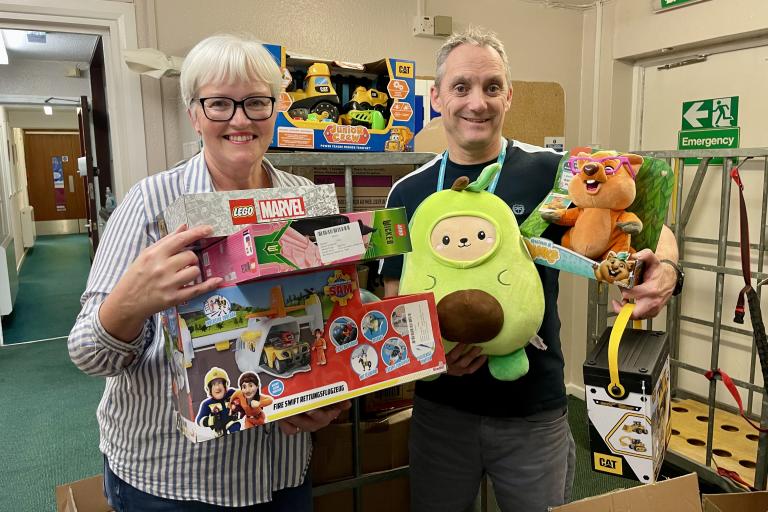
[{"x": 126, "y": 498}]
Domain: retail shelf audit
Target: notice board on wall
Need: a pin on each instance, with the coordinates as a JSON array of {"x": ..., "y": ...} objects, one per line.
[{"x": 537, "y": 111}]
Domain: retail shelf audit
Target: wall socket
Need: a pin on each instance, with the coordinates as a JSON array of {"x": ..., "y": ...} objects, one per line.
[
  {"x": 424, "y": 26},
  {"x": 432, "y": 26}
]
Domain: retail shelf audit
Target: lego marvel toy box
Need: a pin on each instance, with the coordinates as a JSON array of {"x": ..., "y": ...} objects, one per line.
[
  {"x": 259, "y": 250},
  {"x": 228, "y": 212},
  {"x": 344, "y": 106},
  {"x": 271, "y": 348}
]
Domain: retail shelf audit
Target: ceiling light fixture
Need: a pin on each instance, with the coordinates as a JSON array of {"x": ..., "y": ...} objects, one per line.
[{"x": 48, "y": 110}]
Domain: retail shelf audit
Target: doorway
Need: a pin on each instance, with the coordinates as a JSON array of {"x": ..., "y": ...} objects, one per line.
[{"x": 46, "y": 178}]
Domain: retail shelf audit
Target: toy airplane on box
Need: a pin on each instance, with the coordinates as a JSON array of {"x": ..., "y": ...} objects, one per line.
[{"x": 254, "y": 353}]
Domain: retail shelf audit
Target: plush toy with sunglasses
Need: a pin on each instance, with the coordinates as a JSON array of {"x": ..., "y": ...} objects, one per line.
[{"x": 602, "y": 188}]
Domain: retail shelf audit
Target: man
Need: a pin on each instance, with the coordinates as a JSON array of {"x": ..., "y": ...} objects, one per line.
[{"x": 466, "y": 423}]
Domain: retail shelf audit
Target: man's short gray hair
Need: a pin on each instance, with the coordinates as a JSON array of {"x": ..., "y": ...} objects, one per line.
[
  {"x": 228, "y": 58},
  {"x": 476, "y": 36}
]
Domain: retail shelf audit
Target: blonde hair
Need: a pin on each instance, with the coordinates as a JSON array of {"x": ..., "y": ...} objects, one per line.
[
  {"x": 476, "y": 36},
  {"x": 228, "y": 58}
]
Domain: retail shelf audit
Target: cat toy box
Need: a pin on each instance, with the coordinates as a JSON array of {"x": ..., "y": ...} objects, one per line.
[
  {"x": 228, "y": 212},
  {"x": 628, "y": 404},
  {"x": 254, "y": 353},
  {"x": 344, "y": 106},
  {"x": 259, "y": 250}
]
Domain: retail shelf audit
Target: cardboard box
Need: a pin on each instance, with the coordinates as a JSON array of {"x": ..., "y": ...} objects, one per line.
[
  {"x": 370, "y": 184},
  {"x": 85, "y": 495},
  {"x": 629, "y": 418},
  {"x": 383, "y": 445},
  {"x": 674, "y": 495},
  {"x": 305, "y": 339},
  {"x": 395, "y": 398},
  {"x": 259, "y": 250},
  {"x": 736, "y": 502},
  {"x": 228, "y": 212},
  {"x": 342, "y": 106}
]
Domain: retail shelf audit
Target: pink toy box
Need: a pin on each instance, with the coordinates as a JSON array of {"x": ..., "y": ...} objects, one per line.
[
  {"x": 271, "y": 248},
  {"x": 246, "y": 355}
]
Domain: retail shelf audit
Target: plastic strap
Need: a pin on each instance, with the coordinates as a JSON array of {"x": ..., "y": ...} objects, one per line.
[
  {"x": 731, "y": 387},
  {"x": 738, "y": 316},
  {"x": 615, "y": 389}
]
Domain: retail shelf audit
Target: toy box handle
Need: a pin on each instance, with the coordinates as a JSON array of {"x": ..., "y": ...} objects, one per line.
[{"x": 615, "y": 389}]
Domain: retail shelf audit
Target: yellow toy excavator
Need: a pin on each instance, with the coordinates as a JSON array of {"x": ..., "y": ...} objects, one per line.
[{"x": 318, "y": 96}]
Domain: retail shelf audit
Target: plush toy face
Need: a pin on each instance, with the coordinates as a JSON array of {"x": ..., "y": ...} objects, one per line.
[
  {"x": 615, "y": 268},
  {"x": 604, "y": 179},
  {"x": 463, "y": 238},
  {"x": 467, "y": 250}
]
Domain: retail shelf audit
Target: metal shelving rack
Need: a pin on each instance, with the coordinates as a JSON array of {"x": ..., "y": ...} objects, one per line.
[
  {"x": 597, "y": 318},
  {"x": 286, "y": 161}
]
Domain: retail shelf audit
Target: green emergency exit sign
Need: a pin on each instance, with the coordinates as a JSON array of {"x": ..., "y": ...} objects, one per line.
[
  {"x": 663, "y": 5},
  {"x": 710, "y": 113}
]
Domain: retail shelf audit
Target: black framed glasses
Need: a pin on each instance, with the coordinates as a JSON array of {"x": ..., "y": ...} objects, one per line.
[{"x": 221, "y": 108}]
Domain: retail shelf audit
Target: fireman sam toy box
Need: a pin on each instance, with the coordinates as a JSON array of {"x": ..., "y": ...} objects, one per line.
[
  {"x": 250, "y": 354},
  {"x": 283, "y": 246},
  {"x": 628, "y": 403},
  {"x": 229, "y": 212},
  {"x": 344, "y": 106}
]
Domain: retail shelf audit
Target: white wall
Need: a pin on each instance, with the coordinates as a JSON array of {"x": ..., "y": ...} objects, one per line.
[{"x": 543, "y": 43}]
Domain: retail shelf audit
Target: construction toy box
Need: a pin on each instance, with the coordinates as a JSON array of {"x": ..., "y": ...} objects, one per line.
[
  {"x": 228, "y": 212},
  {"x": 343, "y": 106},
  {"x": 254, "y": 353},
  {"x": 613, "y": 204},
  {"x": 628, "y": 404},
  {"x": 259, "y": 250}
]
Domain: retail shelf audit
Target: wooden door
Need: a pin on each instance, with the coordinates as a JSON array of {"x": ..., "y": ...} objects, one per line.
[{"x": 44, "y": 152}]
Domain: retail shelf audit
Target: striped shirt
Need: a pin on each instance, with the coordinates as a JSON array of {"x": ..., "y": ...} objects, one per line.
[{"x": 137, "y": 422}]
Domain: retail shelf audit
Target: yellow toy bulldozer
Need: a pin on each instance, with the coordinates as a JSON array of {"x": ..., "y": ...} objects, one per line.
[{"x": 318, "y": 96}]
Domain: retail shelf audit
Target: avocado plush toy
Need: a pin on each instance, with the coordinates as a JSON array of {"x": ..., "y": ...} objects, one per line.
[{"x": 468, "y": 251}]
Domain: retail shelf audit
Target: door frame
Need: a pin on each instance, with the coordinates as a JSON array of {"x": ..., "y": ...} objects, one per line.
[{"x": 115, "y": 22}]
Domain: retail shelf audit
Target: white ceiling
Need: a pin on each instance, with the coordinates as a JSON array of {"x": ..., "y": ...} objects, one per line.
[{"x": 58, "y": 46}]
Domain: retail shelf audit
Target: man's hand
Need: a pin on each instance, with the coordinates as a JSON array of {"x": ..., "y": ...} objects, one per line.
[
  {"x": 313, "y": 420},
  {"x": 464, "y": 359},
  {"x": 653, "y": 293}
]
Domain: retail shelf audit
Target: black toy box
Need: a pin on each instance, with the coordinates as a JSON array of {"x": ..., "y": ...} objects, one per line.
[{"x": 628, "y": 404}]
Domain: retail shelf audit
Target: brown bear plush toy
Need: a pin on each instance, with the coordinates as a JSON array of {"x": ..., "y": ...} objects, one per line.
[{"x": 602, "y": 187}]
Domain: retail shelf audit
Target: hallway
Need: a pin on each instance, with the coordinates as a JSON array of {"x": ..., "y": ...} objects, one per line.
[{"x": 51, "y": 280}]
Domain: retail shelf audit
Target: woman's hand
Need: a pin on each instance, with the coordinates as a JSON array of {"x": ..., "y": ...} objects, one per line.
[
  {"x": 156, "y": 280},
  {"x": 313, "y": 420}
]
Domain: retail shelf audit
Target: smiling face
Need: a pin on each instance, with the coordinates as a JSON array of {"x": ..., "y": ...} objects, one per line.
[
  {"x": 250, "y": 390},
  {"x": 473, "y": 97},
  {"x": 233, "y": 149},
  {"x": 218, "y": 388},
  {"x": 463, "y": 238}
]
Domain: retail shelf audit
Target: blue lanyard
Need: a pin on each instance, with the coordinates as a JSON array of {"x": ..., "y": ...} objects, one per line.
[{"x": 492, "y": 187}]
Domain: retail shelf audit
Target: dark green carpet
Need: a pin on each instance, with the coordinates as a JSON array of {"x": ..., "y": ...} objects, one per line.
[
  {"x": 49, "y": 434},
  {"x": 51, "y": 280}
]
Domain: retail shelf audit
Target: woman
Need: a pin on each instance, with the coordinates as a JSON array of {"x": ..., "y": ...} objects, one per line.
[{"x": 229, "y": 85}]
